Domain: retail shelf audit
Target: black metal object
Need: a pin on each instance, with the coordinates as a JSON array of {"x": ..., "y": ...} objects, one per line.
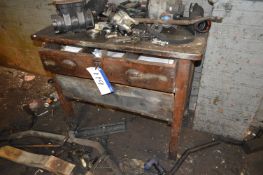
[
  {"x": 72, "y": 16},
  {"x": 196, "y": 11},
  {"x": 96, "y": 6},
  {"x": 101, "y": 130},
  {"x": 180, "y": 161},
  {"x": 70, "y": 138}
]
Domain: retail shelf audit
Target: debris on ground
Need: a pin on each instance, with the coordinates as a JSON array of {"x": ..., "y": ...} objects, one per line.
[
  {"x": 29, "y": 77},
  {"x": 229, "y": 159},
  {"x": 132, "y": 166}
]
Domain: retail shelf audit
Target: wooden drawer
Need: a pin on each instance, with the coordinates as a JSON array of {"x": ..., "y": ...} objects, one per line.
[
  {"x": 125, "y": 71},
  {"x": 154, "y": 104}
]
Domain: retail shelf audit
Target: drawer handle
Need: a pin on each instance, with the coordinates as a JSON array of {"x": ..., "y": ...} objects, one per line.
[
  {"x": 48, "y": 62},
  {"x": 137, "y": 75},
  {"x": 69, "y": 64},
  {"x": 132, "y": 73}
]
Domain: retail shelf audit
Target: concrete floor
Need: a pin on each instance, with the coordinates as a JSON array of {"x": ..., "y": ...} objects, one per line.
[{"x": 144, "y": 139}]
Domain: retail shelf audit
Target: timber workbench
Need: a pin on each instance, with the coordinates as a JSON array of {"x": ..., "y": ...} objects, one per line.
[{"x": 158, "y": 88}]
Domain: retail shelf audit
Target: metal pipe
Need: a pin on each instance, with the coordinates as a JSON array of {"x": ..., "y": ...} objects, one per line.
[
  {"x": 182, "y": 22},
  {"x": 180, "y": 161},
  {"x": 70, "y": 139}
]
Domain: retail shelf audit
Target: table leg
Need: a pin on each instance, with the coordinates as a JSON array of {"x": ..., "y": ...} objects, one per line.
[
  {"x": 182, "y": 85},
  {"x": 65, "y": 103}
]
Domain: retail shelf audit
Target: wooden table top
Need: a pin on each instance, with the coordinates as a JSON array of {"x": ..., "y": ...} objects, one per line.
[{"x": 191, "y": 51}]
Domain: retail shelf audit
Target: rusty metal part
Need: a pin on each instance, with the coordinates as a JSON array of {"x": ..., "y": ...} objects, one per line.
[
  {"x": 182, "y": 22},
  {"x": 72, "y": 16},
  {"x": 123, "y": 21},
  {"x": 38, "y": 146},
  {"x": 49, "y": 163},
  {"x": 158, "y": 8},
  {"x": 196, "y": 11},
  {"x": 70, "y": 139},
  {"x": 66, "y": 1},
  {"x": 62, "y": 138},
  {"x": 101, "y": 130}
]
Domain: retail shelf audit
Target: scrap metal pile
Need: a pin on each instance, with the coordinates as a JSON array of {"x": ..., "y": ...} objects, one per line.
[{"x": 149, "y": 20}]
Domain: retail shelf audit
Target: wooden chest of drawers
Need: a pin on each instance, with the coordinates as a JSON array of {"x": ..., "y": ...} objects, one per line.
[{"x": 148, "y": 79}]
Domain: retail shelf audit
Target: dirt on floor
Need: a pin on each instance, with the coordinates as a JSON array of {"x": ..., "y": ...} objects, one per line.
[{"x": 143, "y": 140}]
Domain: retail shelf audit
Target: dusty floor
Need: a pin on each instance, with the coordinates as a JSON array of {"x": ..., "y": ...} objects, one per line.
[{"x": 144, "y": 139}]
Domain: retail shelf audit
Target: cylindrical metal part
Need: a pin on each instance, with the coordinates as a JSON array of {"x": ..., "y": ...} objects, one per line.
[
  {"x": 196, "y": 11},
  {"x": 72, "y": 16}
]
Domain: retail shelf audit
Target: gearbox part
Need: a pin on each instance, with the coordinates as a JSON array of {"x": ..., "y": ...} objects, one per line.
[
  {"x": 123, "y": 21},
  {"x": 196, "y": 11},
  {"x": 72, "y": 15},
  {"x": 170, "y": 8},
  {"x": 97, "y": 7}
]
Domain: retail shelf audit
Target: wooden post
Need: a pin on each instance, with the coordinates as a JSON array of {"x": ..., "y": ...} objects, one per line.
[
  {"x": 49, "y": 163},
  {"x": 64, "y": 102},
  {"x": 182, "y": 84}
]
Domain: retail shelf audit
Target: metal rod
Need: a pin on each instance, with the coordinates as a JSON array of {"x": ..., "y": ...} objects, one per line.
[
  {"x": 62, "y": 138},
  {"x": 182, "y": 22},
  {"x": 38, "y": 146},
  {"x": 180, "y": 161},
  {"x": 70, "y": 139}
]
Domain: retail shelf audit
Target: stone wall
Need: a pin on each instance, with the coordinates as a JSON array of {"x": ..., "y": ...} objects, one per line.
[{"x": 231, "y": 87}]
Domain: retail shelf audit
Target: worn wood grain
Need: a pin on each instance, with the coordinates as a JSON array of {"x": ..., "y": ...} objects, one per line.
[
  {"x": 49, "y": 163},
  {"x": 183, "y": 82},
  {"x": 191, "y": 51},
  {"x": 149, "y": 103},
  {"x": 148, "y": 75}
]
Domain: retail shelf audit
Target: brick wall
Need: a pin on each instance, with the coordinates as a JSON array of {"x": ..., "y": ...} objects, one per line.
[{"x": 231, "y": 86}]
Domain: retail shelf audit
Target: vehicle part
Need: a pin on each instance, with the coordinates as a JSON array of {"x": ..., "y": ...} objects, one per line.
[
  {"x": 72, "y": 15},
  {"x": 134, "y": 8},
  {"x": 69, "y": 139},
  {"x": 123, "y": 21},
  {"x": 101, "y": 130},
  {"x": 196, "y": 11},
  {"x": 180, "y": 22},
  {"x": 171, "y": 9},
  {"x": 174, "y": 35},
  {"x": 97, "y": 7},
  {"x": 49, "y": 163}
]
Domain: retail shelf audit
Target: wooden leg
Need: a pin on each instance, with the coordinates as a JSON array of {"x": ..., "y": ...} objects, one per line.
[
  {"x": 65, "y": 103},
  {"x": 183, "y": 77}
]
